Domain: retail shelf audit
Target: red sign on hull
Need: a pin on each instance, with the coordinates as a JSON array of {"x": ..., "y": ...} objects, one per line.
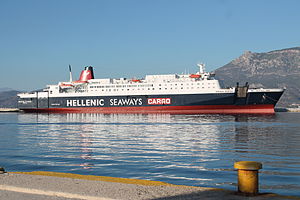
[{"x": 159, "y": 101}]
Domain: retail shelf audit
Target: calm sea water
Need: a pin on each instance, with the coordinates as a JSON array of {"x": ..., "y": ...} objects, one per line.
[{"x": 197, "y": 150}]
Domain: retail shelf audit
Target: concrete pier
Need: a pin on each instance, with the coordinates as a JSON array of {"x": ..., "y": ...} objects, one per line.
[{"x": 63, "y": 186}]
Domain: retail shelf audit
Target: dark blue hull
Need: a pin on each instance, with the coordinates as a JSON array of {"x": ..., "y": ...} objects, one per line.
[{"x": 194, "y": 103}]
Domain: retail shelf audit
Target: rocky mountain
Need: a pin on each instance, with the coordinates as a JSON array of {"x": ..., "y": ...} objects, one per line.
[
  {"x": 8, "y": 99},
  {"x": 274, "y": 69}
]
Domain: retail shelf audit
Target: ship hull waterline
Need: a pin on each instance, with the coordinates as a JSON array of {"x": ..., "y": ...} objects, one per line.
[{"x": 220, "y": 109}]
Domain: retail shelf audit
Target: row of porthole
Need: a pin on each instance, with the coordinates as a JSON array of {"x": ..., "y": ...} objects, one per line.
[
  {"x": 187, "y": 84},
  {"x": 116, "y": 90},
  {"x": 119, "y": 86},
  {"x": 112, "y": 86}
]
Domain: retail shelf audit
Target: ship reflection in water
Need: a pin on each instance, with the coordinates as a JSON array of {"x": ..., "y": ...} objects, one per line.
[{"x": 181, "y": 149}]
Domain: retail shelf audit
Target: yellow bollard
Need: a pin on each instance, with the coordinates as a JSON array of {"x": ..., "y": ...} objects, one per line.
[{"x": 248, "y": 176}]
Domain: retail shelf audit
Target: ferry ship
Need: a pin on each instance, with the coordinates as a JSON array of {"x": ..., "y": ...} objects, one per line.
[{"x": 196, "y": 93}]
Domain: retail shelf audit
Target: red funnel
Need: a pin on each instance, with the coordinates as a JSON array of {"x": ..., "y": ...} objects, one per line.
[{"x": 86, "y": 74}]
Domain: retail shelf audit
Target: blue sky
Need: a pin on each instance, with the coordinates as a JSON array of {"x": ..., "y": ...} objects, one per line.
[{"x": 131, "y": 38}]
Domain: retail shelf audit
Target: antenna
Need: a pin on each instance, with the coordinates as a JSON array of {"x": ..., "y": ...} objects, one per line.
[
  {"x": 71, "y": 78},
  {"x": 201, "y": 68}
]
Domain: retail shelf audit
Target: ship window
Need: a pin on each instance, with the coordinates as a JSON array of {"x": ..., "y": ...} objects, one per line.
[{"x": 182, "y": 88}]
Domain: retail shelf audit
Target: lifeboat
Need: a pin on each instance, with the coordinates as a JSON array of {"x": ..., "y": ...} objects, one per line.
[
  {"x": 136, "y": 80},
  {"x": 195, "y": 75},
  {"x": 66, "y": 85}
]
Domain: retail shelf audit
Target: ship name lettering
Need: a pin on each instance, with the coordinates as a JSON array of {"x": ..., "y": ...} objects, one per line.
[
  {"x": 159, "y": 101},
  {"x": 85, "y": 102},
  {"x": 126, "y": 102},
  {"x": 24, "y": 101}
]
